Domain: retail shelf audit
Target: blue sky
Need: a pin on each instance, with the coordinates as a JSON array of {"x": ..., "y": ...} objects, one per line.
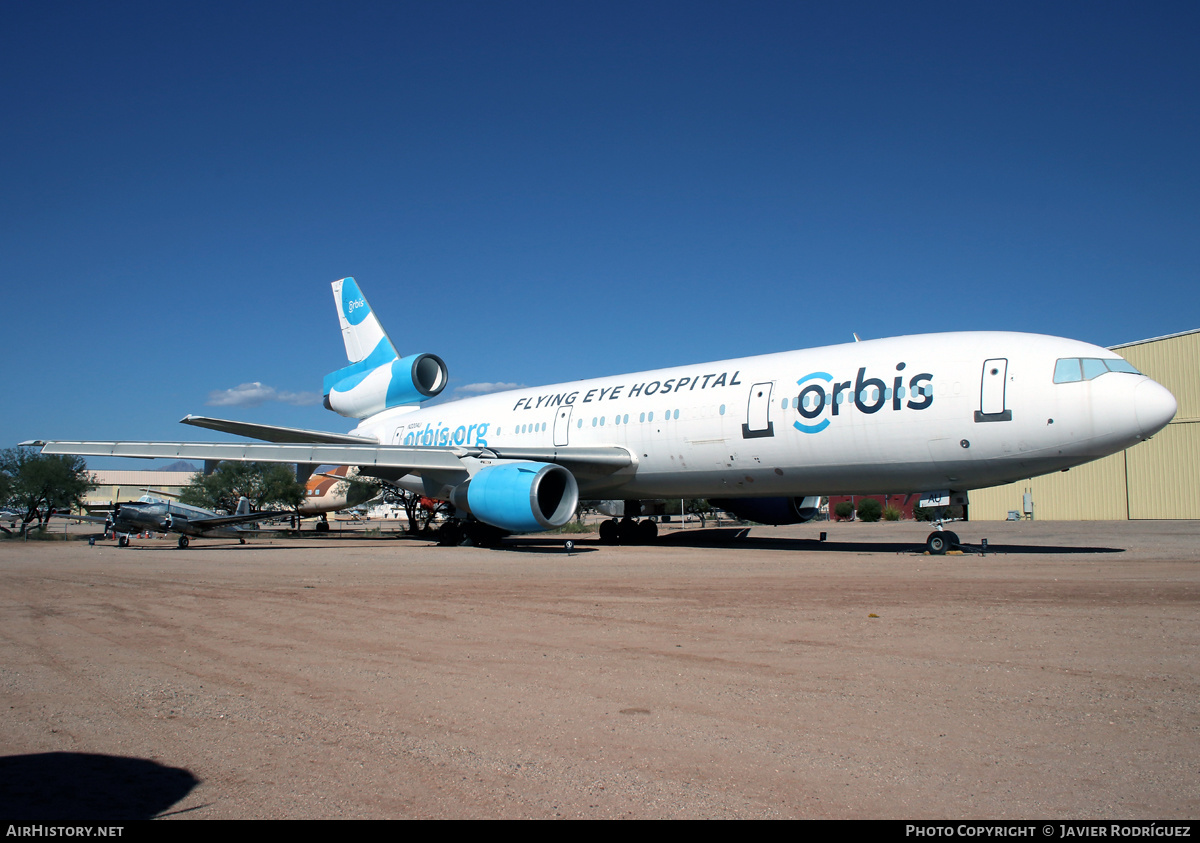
[{"x": 538, "y": 192}]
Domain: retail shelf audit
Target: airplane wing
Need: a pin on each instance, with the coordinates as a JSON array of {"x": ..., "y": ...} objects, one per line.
[
  {"x": 95, "y": 519},
  {"x": 244, "y": 518},
  {"x": 406, "y": 459}
]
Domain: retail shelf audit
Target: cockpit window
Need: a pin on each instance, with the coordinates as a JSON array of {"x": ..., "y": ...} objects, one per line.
[
  {"x": 1072, "y": 369},
  {"x": 1066, "y": 370},
  {"x": 1119, "y": 365},
  {"x": 1093, "y": 368}
]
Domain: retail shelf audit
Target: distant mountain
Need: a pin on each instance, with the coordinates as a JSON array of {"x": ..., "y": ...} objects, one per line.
[{"x": 179, "y": 465}]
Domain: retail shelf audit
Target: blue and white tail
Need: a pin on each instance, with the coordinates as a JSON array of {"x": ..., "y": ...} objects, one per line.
[
  {"x": 361, "y": 331},
  {"x": 377, "y": 378}
]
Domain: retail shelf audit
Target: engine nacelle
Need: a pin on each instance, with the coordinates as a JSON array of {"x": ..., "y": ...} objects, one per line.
[
  {"x": 771, "y": 510},
  {"x": 357, "y": 391},
  {"x": 520, "y": 497}
]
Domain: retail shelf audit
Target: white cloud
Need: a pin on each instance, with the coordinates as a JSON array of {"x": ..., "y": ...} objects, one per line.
[{"x": 254, "y": 394}]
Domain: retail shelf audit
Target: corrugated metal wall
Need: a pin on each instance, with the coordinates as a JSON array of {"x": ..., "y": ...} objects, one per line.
[
  {"x": 1163, "y": 475},
  {"x": 1155, "y": 479}
]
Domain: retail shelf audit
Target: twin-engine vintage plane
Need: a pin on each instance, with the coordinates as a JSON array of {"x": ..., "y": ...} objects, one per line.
[
  {"x": 761, "y": 436},
  {"x": 151, "y": 513}
]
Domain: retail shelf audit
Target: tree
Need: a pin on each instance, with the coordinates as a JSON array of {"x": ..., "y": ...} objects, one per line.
[
  {"x": 37, "y": 483},
  {"x": 421, "y": 511},
  {"x": 699, "y": 507},
  {"x": 268, "y": 485},
  {"x": 869, "y": 510}
]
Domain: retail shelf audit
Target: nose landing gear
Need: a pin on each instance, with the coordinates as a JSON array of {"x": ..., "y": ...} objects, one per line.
[{"x": 939, "y": 541}]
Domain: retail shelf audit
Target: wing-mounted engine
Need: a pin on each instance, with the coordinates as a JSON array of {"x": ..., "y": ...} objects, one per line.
[
  {"x": 771, "y": 510},
  {"x": 356, "y": 392},
  {"x": 520, "y": 497}
]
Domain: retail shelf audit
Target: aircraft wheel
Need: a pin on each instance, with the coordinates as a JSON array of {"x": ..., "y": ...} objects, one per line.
[
  {"x": 937, "y": 544},
  {"x": 448, "y": 535},
  {"x": 183, "y": 542},
  {"x": 122, "y": 541},
  {"x": 953, "y": 538},
  {"x": 627, "y": 531},
  {"x": 647, "y": 532},
  {"x": 608, "y": 532},
  {"x": 241, "y": 540},
  {"x": 485, "y": 535},
  {"x": 322, "y": 527}
]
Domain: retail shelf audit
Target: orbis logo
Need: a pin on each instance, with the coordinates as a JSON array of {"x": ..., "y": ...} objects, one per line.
[
  {"x": 822, "y": 401},
  {"x": 354, "y": 303}
]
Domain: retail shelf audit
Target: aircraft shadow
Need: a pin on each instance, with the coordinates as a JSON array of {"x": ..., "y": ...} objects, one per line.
[
  {"x": 740, "y": 537},
  {"x": 77, "y": 786},
  {"x": 548, "y": 546}
]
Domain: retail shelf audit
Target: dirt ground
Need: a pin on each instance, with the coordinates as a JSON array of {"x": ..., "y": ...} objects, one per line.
[{"x": 709, "y": 676}]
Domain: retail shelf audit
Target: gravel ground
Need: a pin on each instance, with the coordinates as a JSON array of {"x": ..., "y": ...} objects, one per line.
[{"x": 709, "y": 676}]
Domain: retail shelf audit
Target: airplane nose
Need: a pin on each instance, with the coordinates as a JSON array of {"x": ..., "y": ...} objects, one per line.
[{"x": 1154, "y": 405}]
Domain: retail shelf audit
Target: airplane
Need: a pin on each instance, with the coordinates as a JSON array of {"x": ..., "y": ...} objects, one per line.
[
  {"x": 333, "y": 491},
  {"x": 154, "y": 514},
  {"x": 762, "y": 437}
]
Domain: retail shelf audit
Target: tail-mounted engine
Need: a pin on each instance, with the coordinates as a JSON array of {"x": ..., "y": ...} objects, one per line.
[
  {"x": 520, "y": 497},
  {"x": 358, "y": 391}
]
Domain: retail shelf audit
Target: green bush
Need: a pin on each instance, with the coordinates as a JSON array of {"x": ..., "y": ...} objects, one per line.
[
  {"x": 844, "y": 510},
  {"x": 891, "y": 513},
  {"x": 869, "y": 509}
]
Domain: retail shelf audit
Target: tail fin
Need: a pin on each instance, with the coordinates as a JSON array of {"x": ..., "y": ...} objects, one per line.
[
  {"x": 243, "y": 506},
  {"x": 377, "y": 378},
  {"x": 361, "y": 331}
]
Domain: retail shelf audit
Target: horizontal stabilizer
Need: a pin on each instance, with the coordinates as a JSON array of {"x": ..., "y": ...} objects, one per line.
[{"x": 274, "y": 433}]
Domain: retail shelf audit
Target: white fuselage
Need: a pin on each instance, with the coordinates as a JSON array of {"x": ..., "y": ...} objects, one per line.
[{"x": 952, "y": 411}]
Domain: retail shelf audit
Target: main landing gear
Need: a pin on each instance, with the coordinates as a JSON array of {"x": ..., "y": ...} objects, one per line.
[
  {"x": 628, "y": 531},
  {"x": 460, "y": 533}
]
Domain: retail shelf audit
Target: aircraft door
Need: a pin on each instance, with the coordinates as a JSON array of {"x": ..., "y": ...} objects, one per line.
[
  {"x": 758, "y": 412},
  {"x": 562, "y": 425},
  {"x": 993, "y": 393}
]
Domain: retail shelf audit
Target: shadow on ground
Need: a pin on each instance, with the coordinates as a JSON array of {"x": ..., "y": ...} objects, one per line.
[
  {"x": 75, "y": 786},
  {"x": 739, "y": 537}
]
